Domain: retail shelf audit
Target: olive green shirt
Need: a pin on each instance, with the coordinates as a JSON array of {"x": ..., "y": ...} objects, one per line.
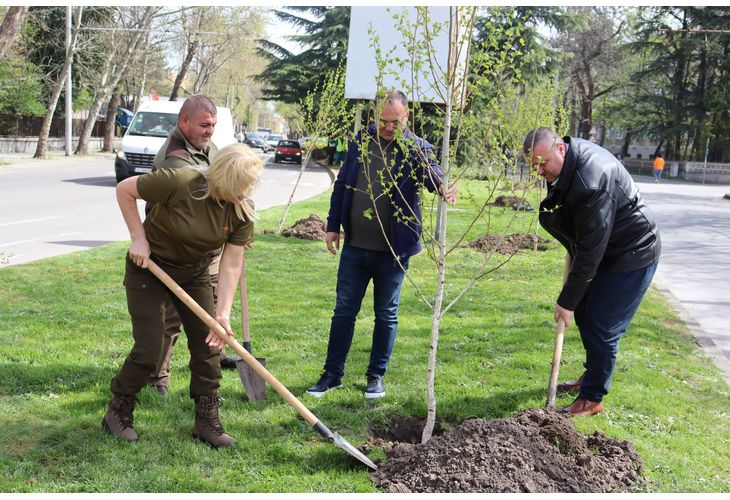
[
  {"x": 181, "y": 228},
  {"x": 177, "y": 152},
  {"x": 366, "y": 213}
]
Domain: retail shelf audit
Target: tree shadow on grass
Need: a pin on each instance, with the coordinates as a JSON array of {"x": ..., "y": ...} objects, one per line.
[{"x": 17, "y": 378}]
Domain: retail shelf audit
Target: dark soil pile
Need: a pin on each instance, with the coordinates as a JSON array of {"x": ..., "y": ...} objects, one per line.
[
  {"x": 538, "y": 451},
  {"x": 509, "y": 245},
  {"x": 515, "y": 202},
  {"x": 311, "y": 228}
]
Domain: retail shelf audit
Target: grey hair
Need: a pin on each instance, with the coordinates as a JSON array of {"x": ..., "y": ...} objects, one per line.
[
  {"x": 394, "y": 95},
  {"x": 537, "y": 136}
]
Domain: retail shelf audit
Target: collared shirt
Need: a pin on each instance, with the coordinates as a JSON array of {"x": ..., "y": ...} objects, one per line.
[{"x": 183, "y": 227}]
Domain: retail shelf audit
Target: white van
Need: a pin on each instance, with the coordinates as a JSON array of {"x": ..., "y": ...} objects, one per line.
[{"x": 148, "y": 130}]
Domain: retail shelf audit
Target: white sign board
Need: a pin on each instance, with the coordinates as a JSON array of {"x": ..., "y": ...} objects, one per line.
[{"x": 362, "y": 67}]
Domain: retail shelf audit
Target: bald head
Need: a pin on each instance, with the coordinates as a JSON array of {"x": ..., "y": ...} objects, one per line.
[
  {"x": 196, "y": 103},
  {"x": 545, "y": 150},
  {"x": 196, "y": 120},
  {"x": 537, "y": 136}
]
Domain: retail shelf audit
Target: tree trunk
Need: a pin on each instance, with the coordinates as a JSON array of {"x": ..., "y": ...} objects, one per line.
[
  {"x": 56, "y": 88},
  {"x": 110, "y": 126},
  {"x": 305, "y": 160},
  {"x": 441, "y": 234},
  {"x": 191, "y": 48},
  {"x": 659, "y": 147},
  {"x": 586, "y": 117},
  {"x": 106, "y": 89},
  {"x": 140, "y": 89},
  {"x": 12, "y": 23},
  {"x": 625, "y": 147}
]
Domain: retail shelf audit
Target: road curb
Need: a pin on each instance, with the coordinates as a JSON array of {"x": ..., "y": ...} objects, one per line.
[{"x": 701, "y": 338}]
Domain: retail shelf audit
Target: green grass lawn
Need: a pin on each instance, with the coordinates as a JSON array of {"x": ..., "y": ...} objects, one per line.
[{"x": 64, "y": 332}]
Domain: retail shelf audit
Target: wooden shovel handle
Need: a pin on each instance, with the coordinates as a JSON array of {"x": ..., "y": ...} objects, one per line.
[
  {"x": 555, "y": 368},
  {"x": 558, "y": 349},
  {"x": 201, "y": 313}
]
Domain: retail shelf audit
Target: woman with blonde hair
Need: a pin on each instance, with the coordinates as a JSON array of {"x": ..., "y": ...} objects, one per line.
[{"x": 194, "y": 213}]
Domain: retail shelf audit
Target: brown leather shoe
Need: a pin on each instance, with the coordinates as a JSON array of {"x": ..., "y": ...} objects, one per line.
[
  {"x": 583, "y": 408},
  {"x": 572, "y": 386}
]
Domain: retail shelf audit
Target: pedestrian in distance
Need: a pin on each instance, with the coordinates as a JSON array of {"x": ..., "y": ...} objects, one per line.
[
  {"x": 342, "y": 142},
  {"x": 188, "y": 145},
  {"x": 658, "y": 167},
  {"x": 194, "y": 213},
  {"x": 594, "y": 209},
  {"x": 384, "y": 158},
  {"x": 331, "y": 150}
]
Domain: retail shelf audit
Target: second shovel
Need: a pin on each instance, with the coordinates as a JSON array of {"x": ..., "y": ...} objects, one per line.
[{"x": 253, "y": 384}]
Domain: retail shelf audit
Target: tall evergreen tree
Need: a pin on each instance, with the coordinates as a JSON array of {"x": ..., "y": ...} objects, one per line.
[{"x": 289, "y": 76}]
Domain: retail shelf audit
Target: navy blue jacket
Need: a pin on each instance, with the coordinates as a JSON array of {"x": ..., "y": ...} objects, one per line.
[{"x": 414, "y": 167}]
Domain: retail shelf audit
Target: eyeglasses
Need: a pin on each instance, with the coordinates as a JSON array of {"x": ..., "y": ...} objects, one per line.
[{"x": 390, "y": 123}]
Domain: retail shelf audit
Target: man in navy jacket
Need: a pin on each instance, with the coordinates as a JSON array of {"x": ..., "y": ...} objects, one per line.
[
  {"x": 375, "y": 200},
  {"x": 595, "y": 211}
]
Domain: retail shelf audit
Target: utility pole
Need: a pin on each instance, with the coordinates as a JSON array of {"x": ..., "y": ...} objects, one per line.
[
  {"x": 707, "y": 153},
  {"x": 69, "y": 101}
]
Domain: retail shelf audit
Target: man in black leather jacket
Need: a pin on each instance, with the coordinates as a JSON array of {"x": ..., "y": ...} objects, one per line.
[{"x": 595, "y": 211}]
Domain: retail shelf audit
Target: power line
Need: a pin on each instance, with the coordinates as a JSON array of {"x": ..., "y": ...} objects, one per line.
[
  {"x": 692, "y": 31},
  {"x": 136, "y": 30}
]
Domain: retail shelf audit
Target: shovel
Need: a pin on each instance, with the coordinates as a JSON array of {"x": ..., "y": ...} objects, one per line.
[
  {"x": 307, "y": 415},
  {"x": 253, "y": 384},
  {"x": 558, "y": 350}
]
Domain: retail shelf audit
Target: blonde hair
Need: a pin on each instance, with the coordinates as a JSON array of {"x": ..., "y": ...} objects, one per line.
[{"x": 235, "y": 170}]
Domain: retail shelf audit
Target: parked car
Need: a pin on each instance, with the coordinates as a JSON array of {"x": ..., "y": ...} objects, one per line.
[
  {"x": 123, "y": 118},
  {"x": 254, "y": 140},
  {"x": 273, "y": 140},
  {"x": 148, "y": 131},
  {"x": 288, "y": 150}
]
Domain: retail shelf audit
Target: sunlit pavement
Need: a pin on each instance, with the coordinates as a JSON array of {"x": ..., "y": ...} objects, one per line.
[{"x": 694, "y": 269}]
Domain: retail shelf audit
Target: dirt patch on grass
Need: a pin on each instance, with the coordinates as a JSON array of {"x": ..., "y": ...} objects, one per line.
[
  {"x": 537, "y": 451},
  {"x": 311, "y": 228},
  {"x": 515, "y": 202},
  {"x": 509, "y": 245}
]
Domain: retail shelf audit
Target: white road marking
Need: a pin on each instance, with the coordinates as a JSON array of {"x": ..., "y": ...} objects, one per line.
[
  {"x": 29, "y": 220},
  {"x": 39, "y": 239}
]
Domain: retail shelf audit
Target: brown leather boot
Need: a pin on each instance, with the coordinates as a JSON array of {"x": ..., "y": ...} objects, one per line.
[
  {"x": 208, "y": 426},
  {"x": 119, "y": 418}
]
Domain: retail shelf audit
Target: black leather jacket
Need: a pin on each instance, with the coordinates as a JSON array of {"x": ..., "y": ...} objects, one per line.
[{"x": 596, "y": 212}]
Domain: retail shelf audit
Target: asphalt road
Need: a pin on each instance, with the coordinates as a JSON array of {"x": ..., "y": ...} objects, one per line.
[
  {"x": 694, "y": 269},
  {"x": 67, "y": 204}
]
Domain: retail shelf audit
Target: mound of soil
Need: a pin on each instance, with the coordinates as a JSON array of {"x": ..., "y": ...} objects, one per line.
[
  {"x": 311, "y": 228},
  {"x": 538, "y": 451},
  {"x": 515, "y": 202},
  {"x": 509, "y": 245}
]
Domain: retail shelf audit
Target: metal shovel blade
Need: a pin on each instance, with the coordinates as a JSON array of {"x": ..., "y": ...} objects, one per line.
[
  {"x": 253, "y": 384},
  {"x": 342, "y": 443}
]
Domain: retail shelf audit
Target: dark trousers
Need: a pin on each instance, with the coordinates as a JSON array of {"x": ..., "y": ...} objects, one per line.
[
  {"x": 603, "y": 316},
  {"x": 173, "y": 325},
  {"x": 357, "y": 268},
  {"x": 146, "y": 298}
]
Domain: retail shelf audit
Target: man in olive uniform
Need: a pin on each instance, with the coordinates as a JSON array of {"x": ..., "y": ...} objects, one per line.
[{"x": 188, "y": 145}]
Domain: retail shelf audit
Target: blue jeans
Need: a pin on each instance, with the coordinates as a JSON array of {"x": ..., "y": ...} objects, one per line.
[
  {"x": 602, "y": 316},
  {"x": 357, "y": 267}
]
